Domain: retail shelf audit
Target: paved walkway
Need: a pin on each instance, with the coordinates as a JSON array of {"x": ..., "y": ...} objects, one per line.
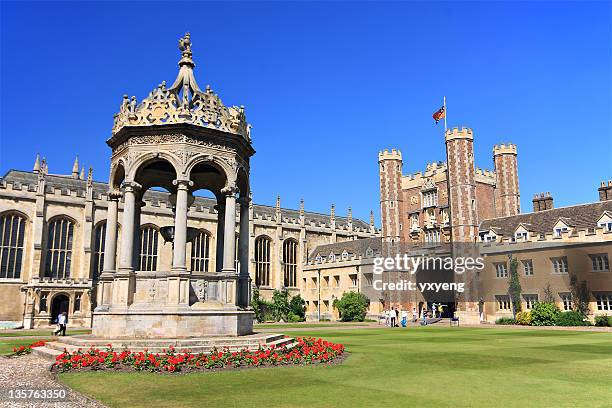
[{"x": 32, "y": 373}]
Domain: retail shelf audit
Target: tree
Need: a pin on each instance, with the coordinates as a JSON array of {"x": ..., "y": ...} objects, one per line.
[
  {"x": 549, "y": 295},
  {"x": 580, "y": 295},
  {"x": 297, "y": 309},
  {"x": 514, "y": 287},
  {"x": 280, "y": 304},
  {"x": 352, "y": 306}
]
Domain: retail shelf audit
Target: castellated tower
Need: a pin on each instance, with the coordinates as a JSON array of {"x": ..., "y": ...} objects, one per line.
[
  {"x": 461, "y": 184},
  {"x": 507, "y": 197},
  {"x": 390, "y": 170}
]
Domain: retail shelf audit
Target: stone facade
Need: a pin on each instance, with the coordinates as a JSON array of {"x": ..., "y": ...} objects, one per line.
[{"x": 40, "y": 200}]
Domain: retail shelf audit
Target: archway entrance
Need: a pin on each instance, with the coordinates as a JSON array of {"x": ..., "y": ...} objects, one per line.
[{"x": 59, "y": 305}]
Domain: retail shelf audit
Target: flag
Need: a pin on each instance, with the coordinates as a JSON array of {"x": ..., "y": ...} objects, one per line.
[{"x": 439, "y": 114}]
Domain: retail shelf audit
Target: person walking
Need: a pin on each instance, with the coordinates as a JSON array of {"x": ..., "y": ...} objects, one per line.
[
  {"x": 415, "y": 315},
  {"x": 440, "y": 310},
  {"x": 397, "y": 317},
  {"x": 433, "y": 310},
  {"x": 392, "y": 317},
  {"x": 387, "y": 318},
  {"x": 62, "y": 320}
]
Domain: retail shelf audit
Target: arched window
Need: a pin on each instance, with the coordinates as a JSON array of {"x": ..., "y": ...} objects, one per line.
[
  {"x": 262, "y": 261},
  {"x": 59, "y": 248},
  {"x": 98, "y": 252},
  {"x": 12, "y": 228},
  {"x": 200, "y": 249},
  {"x": 149, "y": 238},
  {"x": 290, "y": 262}
]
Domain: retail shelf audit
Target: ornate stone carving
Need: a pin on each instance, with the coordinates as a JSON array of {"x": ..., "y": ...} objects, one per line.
[
  {"x": 183, "y": 102},
  {"x": 200, "y": 288}
]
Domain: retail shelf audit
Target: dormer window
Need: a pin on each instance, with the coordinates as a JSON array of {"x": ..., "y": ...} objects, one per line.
[
  {"x": 369, "y": 252},
  {"x": 605, "y": 222},
  {"x": 559, "y": 228},
  {"x": 331, "y": 257},
  {"x": 319, "y": 259},
  {"x": 521, "y": 234},
  {"x": 345, "y": 255},
  {"x": 487, "y": 236}
]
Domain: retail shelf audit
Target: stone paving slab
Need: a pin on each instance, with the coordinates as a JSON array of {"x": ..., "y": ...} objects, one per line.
[{"x": 30, "y": 372}]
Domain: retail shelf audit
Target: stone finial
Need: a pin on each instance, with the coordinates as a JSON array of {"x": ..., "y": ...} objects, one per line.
[
  {"x": 350, "y": 215},
  {"x": 301, "y": 207},
  {"x": 332, "y": 213},
  {"x": 278, "y": 204},
  {"x": 90, "y": 176},
  {"x": 75, "y": 168},
  {"x": 36, "y": 168},
  {"x": 82, "y": 174},
  {"x": 371, "y": 217}
]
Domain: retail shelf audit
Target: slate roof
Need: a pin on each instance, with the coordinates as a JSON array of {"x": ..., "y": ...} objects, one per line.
[
  {"x": 356, "y": 247},
  {"x": 581, "y": 217},
  {"x": 67, "y": 182}
]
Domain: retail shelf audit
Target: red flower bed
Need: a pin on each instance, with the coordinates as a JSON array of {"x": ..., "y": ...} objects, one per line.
[
  {"x": 23, "y": 350},
  {"x": 306, "y": 351}
]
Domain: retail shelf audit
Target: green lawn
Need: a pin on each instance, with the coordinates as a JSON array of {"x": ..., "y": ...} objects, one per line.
[
  {"x": 420, "y": 367},
  {"x": 7, "y": 344},
  {"x": 306, "y": 325},
  {"x": 37, "y": 332}
]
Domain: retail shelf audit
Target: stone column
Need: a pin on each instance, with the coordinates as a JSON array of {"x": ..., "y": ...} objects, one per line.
[
  {"x": 123, "y": 288},
  {"x": 128, "y": 227},
  {"x": 229, "y": 238},
  {"x": 110, "y": 252},
  {"x": 179, "y": 255},
  {"x": 220, "y": 236},
  {"x": 243, "y": 253}
]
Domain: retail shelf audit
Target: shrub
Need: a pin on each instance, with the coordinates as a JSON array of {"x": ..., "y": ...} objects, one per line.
[
  {"x": 603, "y": 320},
  {"x": 261, "y": 308},
  {"x": 280, "y": 304},
  {"x": 544, "y": 314},
  {"x": 571, "y": 318},
  {"x": 297, "y": 312},
  {"x": 524, "y": 318},
  {"x": 352, "y": 306},
  {"x": 505, "y": 321}
]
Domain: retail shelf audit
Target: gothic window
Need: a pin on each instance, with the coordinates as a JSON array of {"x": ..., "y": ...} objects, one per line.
[
  {"x": 59, "y": 248},
  {"x": 12, "y": 228},
  {"x": 430, "y": 198},
  {"x": 149, "y": 240},
  {"x": 98, "y": 261},
  {"x": 77, "y": 303},
  {"x": 262, "y": 261},
  {"x": 200, "y": 250},
  {"x": 290, "y": 262},
  {"x": 500, "y": 270}
]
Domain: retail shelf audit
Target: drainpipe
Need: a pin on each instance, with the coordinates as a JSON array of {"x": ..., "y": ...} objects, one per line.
[{"x": 319, "y": 290}]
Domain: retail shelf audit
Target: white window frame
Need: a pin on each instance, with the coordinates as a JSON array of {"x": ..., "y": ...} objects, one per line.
[
  {"x": 599, "y": 262},
  {"x": 559, "y": 265},
  {"x": 528, "y": 267},
  {"x": 530, "y": 300},
  {"x": 603, "y": 301},
  {"x": 503, "y": 303},
  {"x": 501, "y": 270},
  {"x": 566, "y": 301}
]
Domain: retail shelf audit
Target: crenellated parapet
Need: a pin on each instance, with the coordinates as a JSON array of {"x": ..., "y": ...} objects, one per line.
[
  {"x": 394, "y": 154},
  {"x": 503, "y": 148},
  {"x": 459, "y": 133}
]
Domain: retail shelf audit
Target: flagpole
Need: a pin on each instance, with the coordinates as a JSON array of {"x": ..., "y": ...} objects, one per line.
[{"x": 445, "y": 115}]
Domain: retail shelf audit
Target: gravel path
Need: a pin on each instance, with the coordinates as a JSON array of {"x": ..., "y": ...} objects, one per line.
[{"x": 32, "y": 373}]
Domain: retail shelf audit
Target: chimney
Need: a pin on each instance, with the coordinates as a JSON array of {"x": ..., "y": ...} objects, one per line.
[
  {"x": 605, "y": 191},
  {"x": 542, "y": 201}
]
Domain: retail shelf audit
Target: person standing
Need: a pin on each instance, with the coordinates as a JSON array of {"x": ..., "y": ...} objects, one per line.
[
  {"x": 392, "y": 317},
  {"x": 433, "y": 310},
  {"x": 415, "y": 315},
  {"x": 397, "y": 317}
]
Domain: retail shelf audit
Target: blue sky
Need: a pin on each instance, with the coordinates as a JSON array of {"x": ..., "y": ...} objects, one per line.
[{"x": 326, "y": 86}]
